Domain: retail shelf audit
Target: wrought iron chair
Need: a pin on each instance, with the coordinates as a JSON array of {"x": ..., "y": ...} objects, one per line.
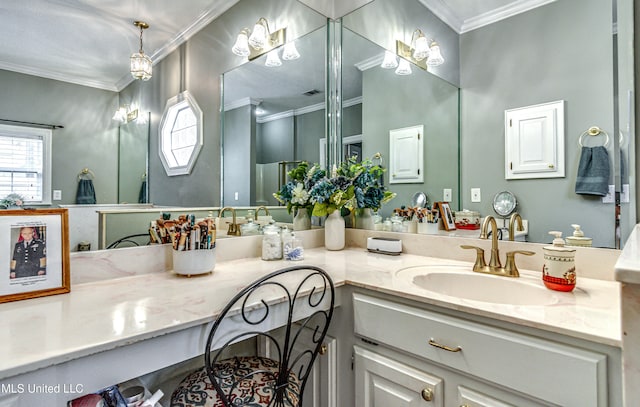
[{"x": 280, "y": 379}]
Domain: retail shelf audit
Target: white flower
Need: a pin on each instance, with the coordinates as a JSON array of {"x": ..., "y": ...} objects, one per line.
[{"x": 299, "y": 195}]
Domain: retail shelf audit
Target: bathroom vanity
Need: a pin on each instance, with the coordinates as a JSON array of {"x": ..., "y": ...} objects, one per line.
[{"x": 394, "y": 340}]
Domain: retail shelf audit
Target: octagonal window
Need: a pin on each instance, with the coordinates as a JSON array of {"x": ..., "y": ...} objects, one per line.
[{"x": 180, "y": 134}]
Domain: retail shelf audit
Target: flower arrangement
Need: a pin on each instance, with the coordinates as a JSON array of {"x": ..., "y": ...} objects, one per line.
[
  {"x": 354, "y": 185},
  {"x": 297, "y": 192},
  {"x": 12, "y": 200}
]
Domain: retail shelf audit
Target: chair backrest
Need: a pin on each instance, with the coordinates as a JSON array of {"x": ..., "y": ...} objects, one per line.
[{"x": 300, "y": 299}]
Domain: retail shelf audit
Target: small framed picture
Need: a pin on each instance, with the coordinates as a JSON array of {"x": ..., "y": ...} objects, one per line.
[
  {"x": 34, "y": 253},
  {"x": 447, "y": 216}
]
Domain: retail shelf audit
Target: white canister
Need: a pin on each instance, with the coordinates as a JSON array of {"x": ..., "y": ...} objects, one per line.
[
  {"x": 194, "y": 262},
  {"x": 559, "y": 270}
]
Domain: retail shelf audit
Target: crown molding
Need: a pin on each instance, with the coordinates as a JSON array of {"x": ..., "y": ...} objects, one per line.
[
  {"x": 354, "y": 101},
  {"x": 448, "y": 16},
  {"x": 369, "y": 63},
  {"x": 275, "y": 116},
  {"x": 444, "y": 13},
  {"x": 241, "y": 102},
  {"x": 501, "y": 13},
  {"x": 58, "y": 76}
]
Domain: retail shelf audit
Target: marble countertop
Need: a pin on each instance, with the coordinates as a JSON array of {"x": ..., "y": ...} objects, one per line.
[{"x": 103, "y": 315}]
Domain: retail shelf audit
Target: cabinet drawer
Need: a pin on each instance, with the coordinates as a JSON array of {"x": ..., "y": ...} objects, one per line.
[{"x": 550, "y": 371}]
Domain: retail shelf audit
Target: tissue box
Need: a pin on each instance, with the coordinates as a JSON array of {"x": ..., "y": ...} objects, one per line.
[
  {"x": 467, "y": 219},
  {"x": 384, "y": 245}
]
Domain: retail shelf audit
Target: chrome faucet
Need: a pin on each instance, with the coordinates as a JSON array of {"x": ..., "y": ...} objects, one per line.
[
  {"x": 266, "y": 211},
  {"x": 512, "y": 222},
  {"x": 495, "y": 267},
  {"x": 233, "y": 229}
]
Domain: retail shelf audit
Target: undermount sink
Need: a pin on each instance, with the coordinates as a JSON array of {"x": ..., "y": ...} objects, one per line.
[{"x": 461, "y": 282}]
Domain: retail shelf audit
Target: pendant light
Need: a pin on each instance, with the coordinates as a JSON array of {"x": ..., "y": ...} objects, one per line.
[{"x": 141, "y": 65}]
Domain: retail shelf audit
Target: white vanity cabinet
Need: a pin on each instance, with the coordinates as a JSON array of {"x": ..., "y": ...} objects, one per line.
[{"x": 477, "y": 364}]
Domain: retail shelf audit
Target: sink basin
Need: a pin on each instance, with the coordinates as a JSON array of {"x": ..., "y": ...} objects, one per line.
[{"x": 460, "y": 282}]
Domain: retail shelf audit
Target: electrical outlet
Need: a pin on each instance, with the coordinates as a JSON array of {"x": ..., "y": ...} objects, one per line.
[
  {"x": 57, "y": 195},
  {"x": 236, "y": 196},
  {"x": 475, "y": 195},
  {"x": 446, "y": 195}
]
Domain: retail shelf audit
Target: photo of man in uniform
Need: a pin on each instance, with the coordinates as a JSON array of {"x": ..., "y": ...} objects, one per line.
[{"x": 29, "y": 255}]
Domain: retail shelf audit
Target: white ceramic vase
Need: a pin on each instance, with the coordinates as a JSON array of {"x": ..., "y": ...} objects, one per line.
[
  {"x": 301, "y": 221},
  {"x": 364, "y": 219},
  {"x": 334, "y": 231}
]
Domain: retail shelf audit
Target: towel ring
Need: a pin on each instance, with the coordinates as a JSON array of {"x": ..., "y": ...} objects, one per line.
[
  {"x": 86, "y": 173},
  {"x": 594, "y": 131}
]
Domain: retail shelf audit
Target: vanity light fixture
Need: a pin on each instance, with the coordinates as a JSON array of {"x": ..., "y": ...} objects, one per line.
[
  {"x": 404, "y": 67},
  {"x": 273, "y": 59},
  {"x": 390, "y": 60},
  {"x": 125, "y": 114},
  {"x": 290, "y": 52},
  {"x": 420, "y": 51},
  {"x": 141, "y": 65},
  {"x": 253, "y": 43}
]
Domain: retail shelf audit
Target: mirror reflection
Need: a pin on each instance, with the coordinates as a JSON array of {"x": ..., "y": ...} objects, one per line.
[
  {"x": 274, "y": 117},
  {"x": 498, "y": 67}
]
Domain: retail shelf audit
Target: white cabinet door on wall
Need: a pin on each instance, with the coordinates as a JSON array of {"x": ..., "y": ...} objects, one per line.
[
  {"x": 384, "y": 382},
  {"x": 406, "y": 152},
  {"x": 534, "y": 141}
]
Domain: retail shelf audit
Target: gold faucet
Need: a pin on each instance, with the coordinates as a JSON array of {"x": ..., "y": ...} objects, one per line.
[
  {"x": 515, "y": 217},
  {"x": 266, "y": 211},
  {"x": 510, "y": 269},
  {"x": 233, "y": 229}
]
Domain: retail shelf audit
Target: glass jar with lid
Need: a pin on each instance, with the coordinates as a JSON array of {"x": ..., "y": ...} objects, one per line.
[
  {"x": 271, "y": 242},
  {"x": 250, "y": 228}
]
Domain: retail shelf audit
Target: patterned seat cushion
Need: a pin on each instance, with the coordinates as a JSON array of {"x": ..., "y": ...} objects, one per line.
[{"x": 196, "y": 389}]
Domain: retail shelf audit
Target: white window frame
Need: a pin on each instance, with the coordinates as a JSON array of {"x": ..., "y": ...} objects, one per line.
[
  {"x": 46, "y": 136},
  {"x": 169, "y": 116}
]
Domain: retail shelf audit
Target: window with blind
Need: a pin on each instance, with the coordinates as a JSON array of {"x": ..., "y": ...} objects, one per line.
[{"x": 25, "y": 163}]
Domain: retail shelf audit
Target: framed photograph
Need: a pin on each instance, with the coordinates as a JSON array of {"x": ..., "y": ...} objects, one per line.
[
  {"x": 447, "y": 216},
  {"x": 34, "y": 253}
]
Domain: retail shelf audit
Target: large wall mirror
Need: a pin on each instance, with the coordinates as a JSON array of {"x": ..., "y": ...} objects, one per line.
[
  {"x": 507, "y": 64},
  {"x": 274, "y": 117}
]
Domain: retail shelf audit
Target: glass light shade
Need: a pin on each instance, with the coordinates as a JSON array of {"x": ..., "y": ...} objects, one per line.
[
  {"x": 404, "y": 67},
  {"x": 290, "y": 52},
  {"x": 421, "y": 50},
  {"x": 141, "y": 66},
  {"x": 390, "y": 61},
  {"x": 435, "y": 57},
  {"x": 273, "y": 59},
  {"x": 120, "y": 115},
  {"x": 258, "y": 37},
  {"x": 241, "y": 47}
]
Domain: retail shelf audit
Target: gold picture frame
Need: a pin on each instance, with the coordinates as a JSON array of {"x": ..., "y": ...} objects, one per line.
[
  {"x": 447, "y": 216},
  {"x": 35, "y": 244}
]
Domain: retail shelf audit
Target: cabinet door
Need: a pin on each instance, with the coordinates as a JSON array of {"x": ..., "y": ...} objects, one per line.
[
  {"x": 321, "y": 388},
  {"x": 406, "y": 152},
  {"x": 384, "y": 382},
  {"x": 534, "y": 141}
]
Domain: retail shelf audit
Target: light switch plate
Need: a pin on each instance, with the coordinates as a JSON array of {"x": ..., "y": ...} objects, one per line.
[
  {"x": 57, "y": 195},
  {"x": 610, "y": 197},
  {"x": 475, "y": 195},
  {"x": 446, "y": 195}
]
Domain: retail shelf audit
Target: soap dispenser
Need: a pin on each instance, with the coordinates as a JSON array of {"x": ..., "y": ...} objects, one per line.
[
  {"x": 578, "y": 238},
  {"x": 559, "y": 270}
]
